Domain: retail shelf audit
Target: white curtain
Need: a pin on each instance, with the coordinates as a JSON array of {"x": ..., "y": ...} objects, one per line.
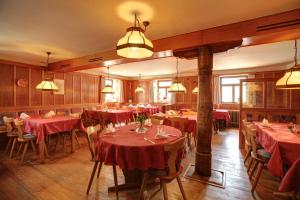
[
  {"x": 154, "y": 94},
  {"x": 151, "y": 92}
]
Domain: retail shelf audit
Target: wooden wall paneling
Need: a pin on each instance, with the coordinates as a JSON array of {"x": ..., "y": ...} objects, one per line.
[
  {"x": 59, "y": 98},
  {"x": 22, "y": 93},
  {"x": 35, "y": 95},
  {"x": 6, "y": 85},
  {"x": 77, "y": 89},
  {"x": 91, "y": 90},
  {"x": 85, "y": 88},
  {"x": 69, "y": 88}
]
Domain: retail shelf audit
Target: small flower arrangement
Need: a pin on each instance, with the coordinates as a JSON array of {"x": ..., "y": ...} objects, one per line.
[{"x": 141, "y": 117}]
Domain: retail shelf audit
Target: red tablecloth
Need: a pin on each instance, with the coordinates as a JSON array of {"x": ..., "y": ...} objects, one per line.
[
  {"x": 281, "y": 143},
  {"x": 222, "y": 115},
  {"x": 114, "y": 116},
  {"x": 130, "y": 151},
  {"x": 41, "y": 127},
  {"x": 190, "y": 126},
  {"x": 291, "y": 181},
  {"x": 149, "y": 110}
]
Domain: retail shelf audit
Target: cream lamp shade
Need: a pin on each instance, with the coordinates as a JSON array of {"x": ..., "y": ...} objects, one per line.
[
  {"x": 135, "y": 44},
  {"x": 291, "y": 78}
]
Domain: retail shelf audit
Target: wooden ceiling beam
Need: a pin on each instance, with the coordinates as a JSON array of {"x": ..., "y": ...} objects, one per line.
[{"x": 268, "y": 29}]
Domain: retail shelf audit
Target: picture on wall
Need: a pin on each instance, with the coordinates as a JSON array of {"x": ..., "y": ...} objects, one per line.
[{"x": 61, "y": 86}]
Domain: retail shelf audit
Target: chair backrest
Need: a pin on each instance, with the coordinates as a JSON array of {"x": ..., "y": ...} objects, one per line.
[
  {"x": 251, "y": 136},
  {"x": 20, "y": 126},
  {"x": 87, "y": 121},
  {"x": 172, "y": 150},
  {"x": 8, "y": 123},
  {"x": 179, "y": 123},
  {"x": 155, "y": 120},
  {"x": 92, "y": 132}
]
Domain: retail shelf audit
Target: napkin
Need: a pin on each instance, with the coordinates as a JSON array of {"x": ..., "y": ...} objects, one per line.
[
  {"x": 265, "y": 122},
  {"x": 110, "y": 128},
  {"x": 49, "y": 114},
  {"x": 24, "y": 116},
  {"x": 8, "y": 119},
  {"x": 75, "y": 115},
  {"x": 141, "y": 105},
  {"x": 160, "y": 133},
  {"x": 130, "y": 106},
  {"x": 149, "y": 106},
  {"x": 172, "y": 113},
  {"x": 148, "y": 122}
]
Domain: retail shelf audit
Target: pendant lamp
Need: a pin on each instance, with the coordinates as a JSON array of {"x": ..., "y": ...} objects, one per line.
[
  {"x": 135, "y": 44},
  {"x": 47, "y": 84},
  {"x": 107, "y": 88},
  {"x": 177, "y": 87},
  {"x": 139, "y": 88},
  {"x": 291, "y": 78},
  {"x": 195, "y": 90}
]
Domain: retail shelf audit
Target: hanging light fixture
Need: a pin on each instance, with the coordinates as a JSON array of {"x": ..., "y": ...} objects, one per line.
[
  {"x": 107, "y": 88},
  {"x": 291, "y": 78},
  {"x": 47, "y": 84},
  {"x": 139, "y": 88},
  {"x": 135, "y": 44},
  {"x": 195, "y": 90},
  {"x": 177, "y": 87}
]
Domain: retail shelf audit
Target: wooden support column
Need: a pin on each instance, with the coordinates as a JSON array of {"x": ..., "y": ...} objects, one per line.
[
  {"x": 204, "y": 110},
  {"x": 204, "y": 54}
]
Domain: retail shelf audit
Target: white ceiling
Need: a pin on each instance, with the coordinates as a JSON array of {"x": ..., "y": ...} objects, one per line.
[
  {"x": 74, "y": 28},
  {"x": 275, "y": 54}
]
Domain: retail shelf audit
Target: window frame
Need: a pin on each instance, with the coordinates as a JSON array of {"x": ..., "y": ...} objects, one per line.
[
  {"x": 163, "y": 87},
  {"x": 232, "y": 85}
]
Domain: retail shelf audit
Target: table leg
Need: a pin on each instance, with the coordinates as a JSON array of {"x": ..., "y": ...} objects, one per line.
[
  {"x": 73, "y": 141},
  {"x": 42, "y": 150}
]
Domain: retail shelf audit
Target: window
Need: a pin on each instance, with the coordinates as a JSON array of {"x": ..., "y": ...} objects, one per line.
[
  {"x": 160, "y": 91},
  {"x": 230, "y": 89},
  {"x": 116, "y": 85}
]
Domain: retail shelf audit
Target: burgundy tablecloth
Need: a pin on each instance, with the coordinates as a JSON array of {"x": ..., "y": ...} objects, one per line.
[
  {"x": 129, "y": 150},
  {"x": 150, "y": 110},
  {"x": 190, "y": 126},
  {"x": 291, "y": 180},
  {"x": 222, "y": 115},
  {"x": 41, "y": 127},
  {"x": 281, "y": 143},
  {"x": 114, "y": 116}
]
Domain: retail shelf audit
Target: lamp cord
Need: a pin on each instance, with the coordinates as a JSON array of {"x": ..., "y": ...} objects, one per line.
[{"x": 176, "y": 69}]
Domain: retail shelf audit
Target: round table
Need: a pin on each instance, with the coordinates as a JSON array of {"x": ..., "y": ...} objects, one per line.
[
  {"x": 132, "y": 153},
  {"x": 129, "y": 150}
]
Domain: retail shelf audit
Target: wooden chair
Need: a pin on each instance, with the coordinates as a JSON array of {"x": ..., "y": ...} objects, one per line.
[
  {"x": 172, "y": 171},
  {"x": 91, "y": 133},
  {"x": 23, "y": 139},
  {"x": 260, "y": 157},
  {"x": 155, "y": 121},
  {"x": 180, "y": 123},
  {"x": 12, "y": 134},
  {"x": 247, "y": 141}
]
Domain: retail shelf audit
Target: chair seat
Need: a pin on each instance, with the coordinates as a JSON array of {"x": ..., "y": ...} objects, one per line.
[
  {"x": 261, "y": 155},
  {"x": 26, "y": 137},
  {"x": 12, "y": 134}
]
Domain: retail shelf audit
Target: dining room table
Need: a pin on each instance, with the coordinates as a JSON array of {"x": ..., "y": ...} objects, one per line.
[
  {"x": 281, "y": 142},
  {"x": 41, "y": 127},
  {"x": 134, "y": 152},
  {"x": 111, "y": 115}
]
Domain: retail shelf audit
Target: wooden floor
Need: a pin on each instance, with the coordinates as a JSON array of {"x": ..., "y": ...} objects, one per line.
[{"x": 65, "y": 176}]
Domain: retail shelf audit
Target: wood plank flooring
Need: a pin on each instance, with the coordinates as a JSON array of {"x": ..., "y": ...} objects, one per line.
[{"x": 65, "y": 176}]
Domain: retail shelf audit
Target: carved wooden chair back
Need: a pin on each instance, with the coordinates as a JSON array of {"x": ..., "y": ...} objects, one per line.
[{"x": 172, "y": 150}]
